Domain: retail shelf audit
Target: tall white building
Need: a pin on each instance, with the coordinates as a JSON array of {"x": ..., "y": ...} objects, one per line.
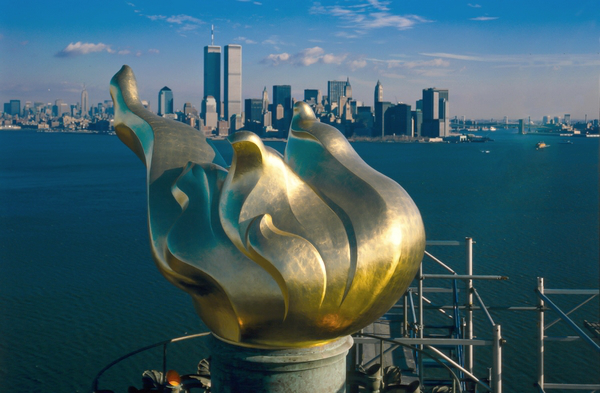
[
  {"x": 85, "y": 107},
  {"x": 233, "y": 81}
]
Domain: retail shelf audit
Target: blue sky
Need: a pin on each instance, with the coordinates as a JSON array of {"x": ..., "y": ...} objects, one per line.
[{"x": 497, "y": 58}]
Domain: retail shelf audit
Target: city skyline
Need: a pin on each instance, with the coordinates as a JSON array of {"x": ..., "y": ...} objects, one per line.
[{"x": 508, "y": 59}]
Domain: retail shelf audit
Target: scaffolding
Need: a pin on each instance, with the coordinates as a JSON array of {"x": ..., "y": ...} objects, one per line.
[
  {"x": 424, "y": 352},
  {"x": 545, "y": 304},
  {"x": 452, "y": 351}
]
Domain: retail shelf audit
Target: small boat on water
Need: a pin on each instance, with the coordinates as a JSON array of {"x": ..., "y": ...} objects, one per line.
[
  {"x": 566, "y": 142},
  {"x": 541, "y": 145}
]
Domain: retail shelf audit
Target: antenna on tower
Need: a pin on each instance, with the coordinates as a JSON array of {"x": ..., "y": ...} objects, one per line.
[{"x": 212, "y": 35}]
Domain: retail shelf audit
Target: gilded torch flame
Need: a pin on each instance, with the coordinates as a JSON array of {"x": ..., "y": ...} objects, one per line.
[{"x": 276, "y": 251}]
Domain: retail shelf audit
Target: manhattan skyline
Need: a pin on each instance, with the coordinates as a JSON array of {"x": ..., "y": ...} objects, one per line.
[{"x": 498, "y": 59}]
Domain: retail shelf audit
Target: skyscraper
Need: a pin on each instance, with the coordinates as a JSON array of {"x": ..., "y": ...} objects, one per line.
[
  {"x": 209, "y": 113},
  {"x": 378, "y": 94},
  {"x": 312, "y": 96},
  {"x": 265, "y": 100},
  {"x": 435, "y": 112},
  {"x": 253, "y": 109},
  {"x": 85, "y": 108},
  {"x": 15, "y": 107},
  {"x": 282, "y": 95},
  {"x": 212, "y": 73},
  {"x": 380, "y": 108},
  {"x": 233, "y": 81},
  {"x": 335, "y": 90},
  {"x": 165, "y": 101},
  {"x": 398, "y": 120}
]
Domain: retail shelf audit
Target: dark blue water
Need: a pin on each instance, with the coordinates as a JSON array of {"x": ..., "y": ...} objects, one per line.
[{"x": 78, "y": 287}]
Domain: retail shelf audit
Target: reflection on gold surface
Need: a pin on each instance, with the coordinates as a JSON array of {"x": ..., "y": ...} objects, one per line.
[{"x": 276, "y": 251}]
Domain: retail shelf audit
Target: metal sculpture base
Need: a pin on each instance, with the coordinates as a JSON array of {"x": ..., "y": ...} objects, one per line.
[{"x": 301, "y": 370}]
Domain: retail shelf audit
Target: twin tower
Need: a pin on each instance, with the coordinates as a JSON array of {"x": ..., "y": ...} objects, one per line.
[{"x": 229, "y": 106}]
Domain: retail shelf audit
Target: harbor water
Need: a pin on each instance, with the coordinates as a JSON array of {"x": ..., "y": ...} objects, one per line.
[{"x": 78, "y": 287}]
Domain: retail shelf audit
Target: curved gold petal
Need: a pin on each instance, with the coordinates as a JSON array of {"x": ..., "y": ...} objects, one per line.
[
  {"x": 293, "y": 262},
  {"x": 259, "y": 183},
  {"x": 389, "y": 233}
]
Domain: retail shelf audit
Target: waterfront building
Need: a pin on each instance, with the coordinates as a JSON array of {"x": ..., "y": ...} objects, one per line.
[
  {"x": 282, "y": 95},
  {"x": 312, "y": 96},
  {"x": 378, "y": 93},
  {"x": 567, "y": 119},
  {"x": 223, "y": 128},
  {"x": 337, "y": 90},
  {"x": 417, "y": 119},
  {"x": 435, "y": 113},
  {"x": 363, "y": 121},
  {"x": 521, "y": 126},
  {"x": 212, "y": 74},
  {"x": 398, "y": 120},
  {"x": 265, "y": 100},
  {"x": 58, "y": 108},
  {"x": 253, "y": 109},
  {"x": 85, "y": 107},
  {"x": 209, "y": 113},
  {"x": 15, "y": 107},
  {"x": 189, "y": 110},
  {"x": 380, "y": 108},
  {"x": 165, "y": 101},
  {"x": 233, "y": 81}
]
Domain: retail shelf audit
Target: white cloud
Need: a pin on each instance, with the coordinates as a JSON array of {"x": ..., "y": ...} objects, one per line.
[
  {"x": 383, "y": 19},
  {"x": 276, "y": 59},
  {"x": 357, "y": 64},
  {"x": 333, "y": 59},
  {"x": 427, "y": 63},
  {"x": 374, "y": 15},
  {"x": 474, "y": 5},
  {"x": 80, "y": 48},
  {"x": 308, "y": 56},
  {"x": 415, "y": 64},
  {"x": 185, "y": 22},
  {"x": 454, "y": 56},
  {"x": 275, "y": 41},
  {"x": 153, "y": 51},
  {"x": 380, "y": 5},
  {"x": 156, "y": 17},
  {"x": 245, "y": 40},
  {"x": 527, "y": 60},
  {"x": 124, "y": 52},
  {"x": 484, "y": 18},
  {"x": 305, "y": 58},
  {"x": 183, "y": 19},
  {"x": 346, "y": 34}
]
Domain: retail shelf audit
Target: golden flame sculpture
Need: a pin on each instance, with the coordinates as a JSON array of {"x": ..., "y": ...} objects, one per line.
[{"x": 278, "y": 251}]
